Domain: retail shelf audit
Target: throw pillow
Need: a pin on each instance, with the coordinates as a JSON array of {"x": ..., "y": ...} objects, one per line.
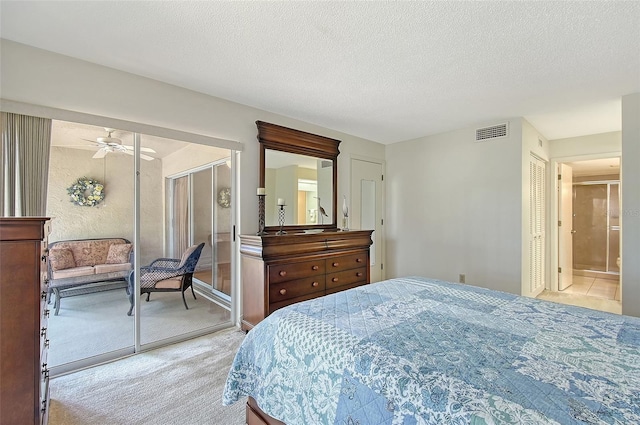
[
  {"x": 61, "y": 258},
  {"x": 118, "y": 253}
]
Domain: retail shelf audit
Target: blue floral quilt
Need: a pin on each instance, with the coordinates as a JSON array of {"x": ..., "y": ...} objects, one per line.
[{"x": 422, "y": 351}]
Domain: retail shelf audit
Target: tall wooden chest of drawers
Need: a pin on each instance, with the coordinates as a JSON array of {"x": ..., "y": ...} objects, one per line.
[
  {"x": 24, "y": 377},
  {"x": 282, "y": 270}
]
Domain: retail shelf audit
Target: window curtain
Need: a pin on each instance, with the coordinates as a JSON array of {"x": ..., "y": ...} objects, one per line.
[
  {"x": 180, "y": 215},
  {"x": 24, "y": 156}
]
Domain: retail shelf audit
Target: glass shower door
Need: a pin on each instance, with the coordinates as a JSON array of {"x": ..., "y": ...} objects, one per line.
[{"x": 596, "y": 243}]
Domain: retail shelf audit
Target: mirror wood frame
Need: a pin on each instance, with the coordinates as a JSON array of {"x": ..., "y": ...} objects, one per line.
[{"x": 279, "y": 138}]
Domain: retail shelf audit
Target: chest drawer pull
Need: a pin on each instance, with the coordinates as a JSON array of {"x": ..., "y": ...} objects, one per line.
[
  {"x": 358, "y": 260},
  {"x": 282, "y": 273},
  {"x": 335, "y": 279},
  {"x": 314, "y": 284},
  {"x": 336, "y": 264},
  {"x": 283, "y": 291},
  {"x": 314, "y": 268},
  {"x": 359, "y": 274}
]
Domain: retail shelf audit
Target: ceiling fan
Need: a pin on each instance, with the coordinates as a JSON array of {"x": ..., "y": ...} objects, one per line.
[{"x": 113, "y": 144}]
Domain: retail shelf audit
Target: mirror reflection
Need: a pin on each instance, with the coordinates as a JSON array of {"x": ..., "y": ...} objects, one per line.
[{"x": 304, "y": 184}]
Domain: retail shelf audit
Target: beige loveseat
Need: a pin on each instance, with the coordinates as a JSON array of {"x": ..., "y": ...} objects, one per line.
[{"x": 87, "y": 265}]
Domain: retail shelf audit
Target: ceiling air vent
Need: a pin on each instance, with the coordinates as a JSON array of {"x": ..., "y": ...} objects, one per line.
[{"x": 493, "y": 132}]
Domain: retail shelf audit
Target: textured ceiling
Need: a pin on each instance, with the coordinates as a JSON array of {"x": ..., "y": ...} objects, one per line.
[{"x": 385, "y": 71}]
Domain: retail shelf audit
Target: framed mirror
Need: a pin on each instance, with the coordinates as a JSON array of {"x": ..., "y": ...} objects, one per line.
[{"x": 299, "y": 170}]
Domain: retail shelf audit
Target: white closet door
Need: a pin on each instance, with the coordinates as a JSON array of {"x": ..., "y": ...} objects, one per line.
[{"x": 537, "y": 224}]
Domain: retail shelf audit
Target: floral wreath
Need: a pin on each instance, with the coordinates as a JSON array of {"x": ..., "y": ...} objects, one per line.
[{"x": 86, "y": 192}]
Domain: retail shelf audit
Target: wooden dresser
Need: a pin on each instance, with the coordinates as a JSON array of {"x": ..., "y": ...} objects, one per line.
[
  {"x": 282, "y": 270},
  {"x": 24, "y": 377}
]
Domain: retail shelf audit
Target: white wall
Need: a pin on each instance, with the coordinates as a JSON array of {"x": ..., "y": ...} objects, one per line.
[
  {"x": 113, "y": 217},
  {"x": 455, "y": 206},
  {"x": 594, "y": 144},
  {"x": 630, "y": 212}
]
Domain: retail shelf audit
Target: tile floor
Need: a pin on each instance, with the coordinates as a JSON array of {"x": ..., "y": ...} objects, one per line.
[
  {"x": 594, "y": 287},
  {"x": 589, "y": 291}
]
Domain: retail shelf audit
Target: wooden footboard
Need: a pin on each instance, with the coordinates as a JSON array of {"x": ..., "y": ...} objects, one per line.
[{"x": 255, "y": 416}]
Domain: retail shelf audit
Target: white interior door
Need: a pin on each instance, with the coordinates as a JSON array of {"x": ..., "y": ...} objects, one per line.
[
  {"x": 366, "y": 203},
  {"x": 565, "y": 230}
]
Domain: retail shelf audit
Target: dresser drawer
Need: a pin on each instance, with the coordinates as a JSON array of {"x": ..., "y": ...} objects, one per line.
[
  {"x": 274, "y": 306},
  {"x": 346, "y": 277},
  {"x": 345, "y": 287},
  {"x": 295, "y": 288},
  {"x": 284, "y": 272},
  {"x": 346, "y": 262}
]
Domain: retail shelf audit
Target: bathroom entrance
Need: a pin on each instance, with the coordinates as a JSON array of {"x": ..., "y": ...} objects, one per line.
[{"x": 591, "y": 229}]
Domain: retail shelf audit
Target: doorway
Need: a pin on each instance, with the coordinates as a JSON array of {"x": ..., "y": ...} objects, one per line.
[
  {"x": 589, "y": 232},
  {"x": 92, "y": 325}
]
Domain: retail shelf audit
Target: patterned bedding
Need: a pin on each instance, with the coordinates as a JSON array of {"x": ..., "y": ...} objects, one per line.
[{"x": 422, "y": 351}]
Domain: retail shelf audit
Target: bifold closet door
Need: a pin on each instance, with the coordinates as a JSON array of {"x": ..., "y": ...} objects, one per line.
[{"x": 537, "y": 222}]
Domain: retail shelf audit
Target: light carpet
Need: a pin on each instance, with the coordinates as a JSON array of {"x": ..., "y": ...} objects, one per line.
[{"x": 178, "y": 384}]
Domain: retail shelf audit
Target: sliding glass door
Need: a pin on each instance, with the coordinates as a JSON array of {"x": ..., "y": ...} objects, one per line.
[
  {"x": 190, "y": 221},
  {"x": 163, "y": 196},
  {"x": 200, "y": 206}
]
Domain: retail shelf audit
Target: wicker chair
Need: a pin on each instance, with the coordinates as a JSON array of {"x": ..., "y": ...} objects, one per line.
[{"x": 167, "y": 275}]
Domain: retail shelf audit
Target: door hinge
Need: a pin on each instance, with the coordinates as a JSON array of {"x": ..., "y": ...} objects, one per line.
[
  {"x": 559, "y": 223},
  {"x": 382, "y": 222},
  {"x": 382, "y": 177},
  {"x": 559, "y": 269},
  {"x": 381, "y": 266},
  {"x": 559, "y": 176}
]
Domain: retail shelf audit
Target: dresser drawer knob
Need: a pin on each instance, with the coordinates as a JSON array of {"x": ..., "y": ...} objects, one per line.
[
  {"x": 358, "y": 260},
  {"x": 283, "y": 291},
  {"x": 335, "y": 279},
  {"x": 314, "y": 268},
  {"x": 282, "y": 273},
  {"x": 314, "y": 284},
  {"x": 359, "y": 274},
  {"x": 336, "y": 264}
]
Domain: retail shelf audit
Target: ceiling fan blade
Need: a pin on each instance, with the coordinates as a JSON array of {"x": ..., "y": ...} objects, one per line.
[
  {"x": 100, "y": 154},
  {"x": 141, "y": 149}
]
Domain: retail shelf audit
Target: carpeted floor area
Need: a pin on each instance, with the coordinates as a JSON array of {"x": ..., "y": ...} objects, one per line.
[{"x": 180, "y": 384}]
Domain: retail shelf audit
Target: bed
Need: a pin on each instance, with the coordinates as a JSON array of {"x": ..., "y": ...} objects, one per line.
[{"x": 422, "y": 351}]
